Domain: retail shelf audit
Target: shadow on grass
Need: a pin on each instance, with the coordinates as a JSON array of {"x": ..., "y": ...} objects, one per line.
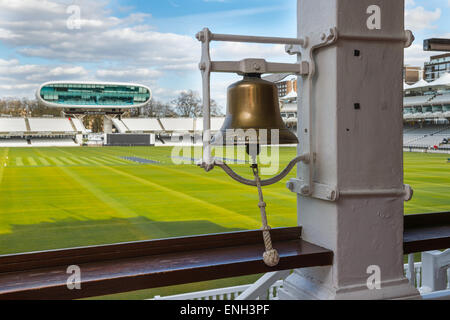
[{"x": 75, "y": 233}]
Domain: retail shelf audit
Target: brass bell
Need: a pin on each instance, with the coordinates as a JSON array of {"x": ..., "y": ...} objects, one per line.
[{"x": 253, "y": 111}]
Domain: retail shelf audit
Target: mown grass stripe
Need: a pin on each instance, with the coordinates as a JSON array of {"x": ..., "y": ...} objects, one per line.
[
  {"x": 102, "y": 161},
  {"x": 245, "y": 221},
  {"x": 3, "y": 163},
  {"x": 32, "y": 162},
  {"x": 113, "y": 160},
  {"x": 44, "y": 161},
  {"x": 19, "y": 162},
  {"x": 90, "y": 160},
  {"x": 68, "y": 161},
  {"x": 56, "y": 161},
  {"x": 81, "y": 161},
  {"x": 113, "y": 157}
]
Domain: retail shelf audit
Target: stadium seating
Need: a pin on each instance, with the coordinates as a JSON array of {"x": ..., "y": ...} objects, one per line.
[
  {"x": 78, "y": 125},
  {"x": 216, "y": 124},
  {"x": 63, "y": 142},
  {"x": 138, "y": 125},
  {"x": 416, "y": 100},
  {"x": 120, "y": 126},
  {"x": 50, "y": 125},
  {"x": 441, "y": 98},
  {"x": 425, "y": 137},
  {"x": 12, "y": 125},
  {"x": 177, "y": 124},
  {"x": 169, "y": 125},
  {"x": 4, "y": 143}
]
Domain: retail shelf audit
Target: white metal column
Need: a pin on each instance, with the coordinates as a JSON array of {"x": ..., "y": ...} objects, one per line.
[
  {"x": 356, "y": 98},
  {"x": 107, "y": 124}
]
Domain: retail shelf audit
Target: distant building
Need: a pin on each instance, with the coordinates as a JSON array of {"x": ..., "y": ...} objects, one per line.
[
  {"x": 287, "y": 93},
  {"x": 437, "y": 67},
  {"x": 93, "y": 95},
  {"x": 412, "y": 74},
  {"x": 285, "y": 82},
  {"x": 109, "y": 99}
]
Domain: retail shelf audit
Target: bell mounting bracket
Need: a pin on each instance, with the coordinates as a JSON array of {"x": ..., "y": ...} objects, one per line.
[
  {"x": 306, "y": 67},
  {"x": 259, "y": 66}
]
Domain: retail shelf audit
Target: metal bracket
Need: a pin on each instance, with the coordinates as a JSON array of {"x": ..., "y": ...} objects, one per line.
[
  {"x": 245, "y": 66},
  {"x": 332, "y": 193},
  {"x": 319, "y": 191},
  {"x": 306, "y": 54},
  {"x": 260, "y": 66}
]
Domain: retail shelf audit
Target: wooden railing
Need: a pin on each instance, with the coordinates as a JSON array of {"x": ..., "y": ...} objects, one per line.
[{"x": 150, "y": 264}]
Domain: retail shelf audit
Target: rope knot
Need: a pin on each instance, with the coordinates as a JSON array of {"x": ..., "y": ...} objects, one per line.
[{"x": 271, "y": 258}]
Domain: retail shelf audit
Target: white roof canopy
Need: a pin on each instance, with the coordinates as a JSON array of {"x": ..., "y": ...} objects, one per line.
[
  {"x": 290, "y": 95},
  {"x": 420, "y": 84},
  {"x": 442, "y": 81}
]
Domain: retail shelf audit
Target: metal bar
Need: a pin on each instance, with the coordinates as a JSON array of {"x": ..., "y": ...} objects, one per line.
[
  {"x": 361, "y": 37},
  {"x": 256, "y": 39},
  {"x": 206, "y": 86},
  {"x": 407, "y": 37},
  {"x": 270, "y": 67}
]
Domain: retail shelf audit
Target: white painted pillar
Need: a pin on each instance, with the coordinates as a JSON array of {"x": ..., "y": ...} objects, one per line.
[
  {"x": 107, "y": 124},
  {"x": 357, "y": 137},
  {"x": 434, "y": 270}
]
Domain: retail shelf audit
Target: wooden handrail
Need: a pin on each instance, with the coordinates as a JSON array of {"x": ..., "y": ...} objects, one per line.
[
  {"x": 140, "y": 265},
  {"x": 425, "y": 232},
  {"x": 150, "y": 264}
]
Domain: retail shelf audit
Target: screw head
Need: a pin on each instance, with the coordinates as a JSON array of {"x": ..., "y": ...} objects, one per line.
[
  {"x": 304, "y": 190},
  {"x": 291, "y": 186}
]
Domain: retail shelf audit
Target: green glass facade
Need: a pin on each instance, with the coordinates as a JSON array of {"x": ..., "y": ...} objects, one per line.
[{"x": 95, "y": 95}]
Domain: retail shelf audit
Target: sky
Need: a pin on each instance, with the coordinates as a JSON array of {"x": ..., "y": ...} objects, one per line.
[{"x": 152, "y": 42}]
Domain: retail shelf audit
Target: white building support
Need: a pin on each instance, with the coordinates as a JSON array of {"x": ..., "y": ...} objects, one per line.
[
  {"x": 434, "y": 271},
  {"x": 107, "y": 124},
  {"x": 354, "y": 203}
]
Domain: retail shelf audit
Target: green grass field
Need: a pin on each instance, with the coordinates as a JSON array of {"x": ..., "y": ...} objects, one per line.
[{"x": 66, "y": 197}]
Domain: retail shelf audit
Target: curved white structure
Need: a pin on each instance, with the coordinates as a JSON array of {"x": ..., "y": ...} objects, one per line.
[{"x": 93, "y": 95}]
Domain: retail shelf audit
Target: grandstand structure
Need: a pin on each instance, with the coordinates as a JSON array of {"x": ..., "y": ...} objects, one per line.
[
  {"x": 167, "y": 130},
  {"x": 41, "y": 132},
  {"x": 164, "y": 125},
  {"x": 426, "y": 113}
]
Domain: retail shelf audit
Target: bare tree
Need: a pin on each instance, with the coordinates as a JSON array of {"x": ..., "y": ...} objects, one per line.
[
  {"x": 153, "y": 109},
  {"x": 159, "y": 109},
  {"x": 215, "y": 109},
  {"x": 188, "y": 104}
]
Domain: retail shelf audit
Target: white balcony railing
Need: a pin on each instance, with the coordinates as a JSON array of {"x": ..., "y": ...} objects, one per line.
[
  {"x": 224, "y": 293},
  {"x": 432, "y": 278}
]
